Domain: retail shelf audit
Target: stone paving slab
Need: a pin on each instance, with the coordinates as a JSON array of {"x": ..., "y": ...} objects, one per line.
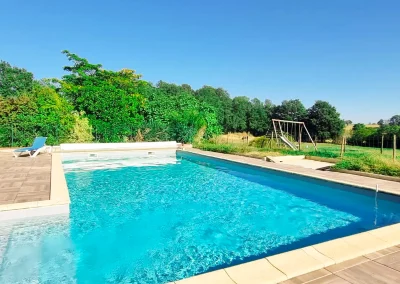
[{"x": 24, "y": 179}]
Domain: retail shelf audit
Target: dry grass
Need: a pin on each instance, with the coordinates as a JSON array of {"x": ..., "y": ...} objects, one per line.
[{"x": 234, "y": 138}]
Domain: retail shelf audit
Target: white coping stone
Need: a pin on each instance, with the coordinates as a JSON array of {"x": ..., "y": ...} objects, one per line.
[{"x": 118, "y": 146}]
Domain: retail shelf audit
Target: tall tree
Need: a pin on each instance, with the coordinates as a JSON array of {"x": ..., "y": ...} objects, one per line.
[
  {"x": 222, "y": 103},
  {"x": 395, "y": 120},
  {"x": 292, "y": 110},
  {"x": 108, "y": 98},
  {"x": 324, "y": 121},
  {"x": 14, "y": 81},
  {"x": 240, "y": 108},
  {"x": 259, "y": 119}
]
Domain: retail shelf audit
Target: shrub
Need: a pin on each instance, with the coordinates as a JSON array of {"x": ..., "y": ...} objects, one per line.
[
  {"x": 221, "y": 148},
  {"x": 261, "y": 142},
  {"x": 370, "y": 164},
  {"x": 82, "y": 130},
  {"x": 40, "y": 113}
]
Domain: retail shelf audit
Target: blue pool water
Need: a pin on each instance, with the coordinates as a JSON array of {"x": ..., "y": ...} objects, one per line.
[{"x": 136, "y": 220}]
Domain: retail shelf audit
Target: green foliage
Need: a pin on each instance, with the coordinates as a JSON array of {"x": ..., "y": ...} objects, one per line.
[
  {"x": 324, "y": 121},
  {"x": 370, "y": 164},
  {"x": 259, "y": 118},
  {"x": 177, "y": 107},
  {"x": 221, "y": 102},
  {"x": 108, "y": 98},
  {"x": 222, "y": 148},
  {"x": 241, "y": 107},
  {"x": 292, "y": 110},
  {"x": 262, "y": 142},
  {"x": 119, "y": 106},
  {"x": 82, "y": 130},
  {"x": 14, "y": 81},
  {"x": 395, "y": 120},
  {"x": 154, "y": 130},
  {"x": 42, "y": 112}
]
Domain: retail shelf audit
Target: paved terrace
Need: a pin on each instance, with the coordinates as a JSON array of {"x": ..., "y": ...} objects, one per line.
[
  {"x": 24, "y": 179},
  {"x": 378, "y": 267}
]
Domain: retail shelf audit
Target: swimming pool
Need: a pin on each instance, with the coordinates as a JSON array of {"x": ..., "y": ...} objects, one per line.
[{"x": 160, "y": 217}]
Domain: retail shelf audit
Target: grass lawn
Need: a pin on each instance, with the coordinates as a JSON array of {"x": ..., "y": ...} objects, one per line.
[{"x": 365, "y": 159}]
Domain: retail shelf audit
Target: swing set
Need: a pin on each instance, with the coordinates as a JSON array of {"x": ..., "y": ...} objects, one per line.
[{"x": 289, "y": 133}]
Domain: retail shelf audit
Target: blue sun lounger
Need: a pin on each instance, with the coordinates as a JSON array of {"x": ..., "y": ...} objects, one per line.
[{"x": 33, "y": 151}]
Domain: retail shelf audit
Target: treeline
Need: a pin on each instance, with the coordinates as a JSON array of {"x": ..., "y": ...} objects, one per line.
[
  {"x": 91, "y": 103},
  {"x": 374, "y": 136}
]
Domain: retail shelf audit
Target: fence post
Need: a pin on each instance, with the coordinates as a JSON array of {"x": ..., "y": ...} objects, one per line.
[
  {"x": 394, "y": 147},
  {"x": 342, "y": 147},
  {"x": 382, "y": 144}
]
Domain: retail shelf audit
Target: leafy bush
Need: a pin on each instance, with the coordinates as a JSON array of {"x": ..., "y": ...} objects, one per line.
[
  {"x": 82, "y": 130},
  {"x": 262, "y": 142},
  {"x": 222, "y": 148},
  {"x": 43, "y": 112},
  {"x": 153, "y": 131}
]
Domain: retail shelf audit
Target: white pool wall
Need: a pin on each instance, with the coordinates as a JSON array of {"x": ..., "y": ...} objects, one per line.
[{"x": 118, "y": 146}]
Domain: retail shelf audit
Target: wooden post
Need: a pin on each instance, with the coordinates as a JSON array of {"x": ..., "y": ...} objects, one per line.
[
  {"x": 342, "y": 148},
  {"x": 299, "y": 137},
  {"x": 345, "y": 143},
  {"x": 315, "y": 140},
  {"x": 382, "y": 144},
  {"x": 394, "y": 147}
]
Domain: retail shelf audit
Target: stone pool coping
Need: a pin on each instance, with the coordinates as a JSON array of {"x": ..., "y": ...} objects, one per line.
[
  {"x": 57, "y": 204},
  {"x": 284, "y": 266}
]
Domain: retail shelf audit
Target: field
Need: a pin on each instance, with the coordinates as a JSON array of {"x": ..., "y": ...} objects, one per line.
[{"x": 365, "y": 159}]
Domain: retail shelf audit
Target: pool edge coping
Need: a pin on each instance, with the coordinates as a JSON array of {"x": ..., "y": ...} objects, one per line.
[
  {"x": 58, "y": 202},
  {"x": 293, "y": 263}
]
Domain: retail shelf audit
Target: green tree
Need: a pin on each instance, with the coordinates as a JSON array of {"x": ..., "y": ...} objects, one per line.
[
  {"x": 14, "y": 81},
  {"x": 358, "y": 126},
  {"x": 219, "y": 99},
  {"x": 324, "y": 121},
  {"x": 42, "y": 112},
  {"x": 182, "y": 114},
  {"x": 292, "y": 110},
  {"x": 259, "y": 119},
  {"x": 109, "y": 99},
  {"x": 395, "y": 120},
  {"x": 241, "y": 107}
]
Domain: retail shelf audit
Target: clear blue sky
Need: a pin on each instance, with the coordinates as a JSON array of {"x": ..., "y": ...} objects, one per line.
[{"x": 344, "y": 51}]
